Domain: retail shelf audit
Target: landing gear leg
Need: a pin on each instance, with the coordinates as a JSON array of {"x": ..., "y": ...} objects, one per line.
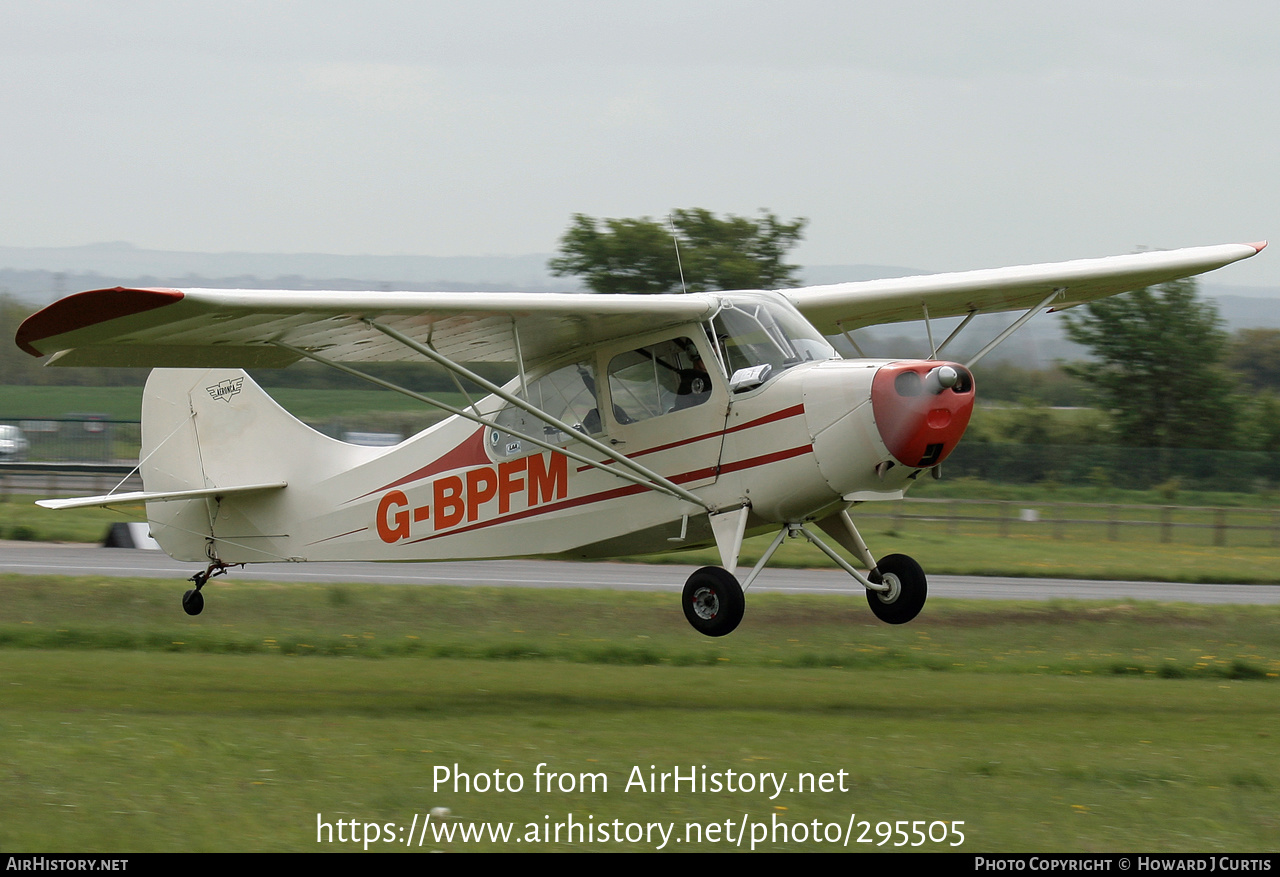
[
  {"x": 896, "y": 586},
  {"x": 193, "y": 600}
]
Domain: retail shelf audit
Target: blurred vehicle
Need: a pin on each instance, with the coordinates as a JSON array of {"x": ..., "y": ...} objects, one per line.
[{"x": 13, "y": 444}]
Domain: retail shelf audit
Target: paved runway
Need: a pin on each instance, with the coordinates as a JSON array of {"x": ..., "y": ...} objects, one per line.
[{"x": 32, "y": 558}]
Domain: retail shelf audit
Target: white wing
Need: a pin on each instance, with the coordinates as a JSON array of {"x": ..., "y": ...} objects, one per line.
[
  {"x": 237, "y": 328},
  {"x": 868, "y": 303}
]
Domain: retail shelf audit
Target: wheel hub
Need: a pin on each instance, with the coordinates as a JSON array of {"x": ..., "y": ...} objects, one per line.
[
  {"x": 706, "y": 603},
  {"x": 893, "y": 588}
]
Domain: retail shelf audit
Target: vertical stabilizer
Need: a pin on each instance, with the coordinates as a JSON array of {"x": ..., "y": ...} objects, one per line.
[{"x": 209, "y": 428}]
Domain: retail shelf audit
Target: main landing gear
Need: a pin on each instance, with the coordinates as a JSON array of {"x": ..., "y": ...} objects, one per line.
[
  {"x": 896, "y": 586},
  {"x": 905, "y": 589},
  {"x": 713, "y": 601}
]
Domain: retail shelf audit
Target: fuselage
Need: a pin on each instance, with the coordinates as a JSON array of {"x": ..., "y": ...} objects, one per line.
[{"x": 752, "y": 408}]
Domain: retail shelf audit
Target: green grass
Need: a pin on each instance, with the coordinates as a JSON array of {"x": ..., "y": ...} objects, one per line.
[
  {"x": 21, "y": 520},
  {"x": 1029, "y": 494},
  {"x": 1043, "y": 727},
  {"x": 628, "y": 628},
  {"x": 41, "y": 403},
  {"x": 1042, "y": 556}
]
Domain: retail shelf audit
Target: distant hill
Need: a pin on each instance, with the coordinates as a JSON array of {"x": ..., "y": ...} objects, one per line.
[{"x": 41, "y": 274}]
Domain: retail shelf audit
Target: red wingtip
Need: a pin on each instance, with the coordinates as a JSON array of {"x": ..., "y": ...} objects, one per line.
[
  {"x": 1258, "y": 247},
  {"x": 87, "y": 308}
]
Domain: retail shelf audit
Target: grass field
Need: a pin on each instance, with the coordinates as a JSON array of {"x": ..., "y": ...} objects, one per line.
[
  {"x": 1044, "y": 727},
  {"x": 1032, "y": 555}
]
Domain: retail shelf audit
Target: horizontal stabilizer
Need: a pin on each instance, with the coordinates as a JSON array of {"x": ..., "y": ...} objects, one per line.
[{"x": 140, "y": 496}]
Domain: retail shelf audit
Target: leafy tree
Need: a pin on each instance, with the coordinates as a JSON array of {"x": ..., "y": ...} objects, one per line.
[
  {"x": 1158, "y": 367},
  {"x": 1254, "y": 354},
  {"x": 1004, "y": 381},
  {"x": 1260, "y": 426},
  {"x": 639, "y": 255}
]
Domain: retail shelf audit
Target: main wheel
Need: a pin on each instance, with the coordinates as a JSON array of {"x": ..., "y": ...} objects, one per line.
[
  {"x": 193, "y": 602},
  {"x": 713, "y": 601},
  {"x": 907, "y": 589}
]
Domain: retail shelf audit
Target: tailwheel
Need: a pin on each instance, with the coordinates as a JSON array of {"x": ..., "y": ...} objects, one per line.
[
  {"x": 193, "y": 600},
  {"x": 713, "y": 601},
  {"x": 907, "y": 589}
]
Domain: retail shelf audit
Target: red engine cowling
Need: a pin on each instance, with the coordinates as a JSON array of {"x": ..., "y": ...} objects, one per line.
[{"x": 922, "y": 409}]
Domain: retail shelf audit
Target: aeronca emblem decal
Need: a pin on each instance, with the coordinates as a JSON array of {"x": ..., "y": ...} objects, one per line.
[{"x": 224, "y": 390}]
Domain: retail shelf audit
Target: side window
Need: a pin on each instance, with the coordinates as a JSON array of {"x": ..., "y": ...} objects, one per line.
[
  {"x": 657, "y": 379},
  {"x": 567, "y": 394}
]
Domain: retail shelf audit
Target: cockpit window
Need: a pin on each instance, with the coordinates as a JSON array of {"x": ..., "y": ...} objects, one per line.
[
  {"x": 567, "y": 394},
  {"x": 658, "y": 379},
  {"x": 759, "y": 330}
]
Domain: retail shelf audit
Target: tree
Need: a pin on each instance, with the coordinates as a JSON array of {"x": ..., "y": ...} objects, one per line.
[
  {"x": 1157, "y": 367},
  {"x": 1254, "y": 354},
  {"x": 639, "y": 255}
]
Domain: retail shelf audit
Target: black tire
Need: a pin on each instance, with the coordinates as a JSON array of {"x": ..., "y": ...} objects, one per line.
[
  {"x": 713, "y": 601},
  {"x": 909, "y": 588},
  {"x": 193, "y": 602}
]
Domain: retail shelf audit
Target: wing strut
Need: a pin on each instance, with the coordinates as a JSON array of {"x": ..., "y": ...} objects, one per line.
[
  {"x": 657, "y": 480},
  {"x": 1017, "y": 324},
  {"x": 645, "y": 478},
  {"x": 956, "y": 331},
  {"x": 849, "y": 338}
]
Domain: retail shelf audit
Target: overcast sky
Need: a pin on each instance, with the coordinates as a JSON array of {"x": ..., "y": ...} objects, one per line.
[{"x": 933, "y": 135}]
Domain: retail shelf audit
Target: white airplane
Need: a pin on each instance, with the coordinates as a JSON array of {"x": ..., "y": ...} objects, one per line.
[{"x": 636, "y": 423}]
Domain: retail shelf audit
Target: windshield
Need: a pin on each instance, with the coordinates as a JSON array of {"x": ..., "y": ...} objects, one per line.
[{"x": 754, "y": 330}]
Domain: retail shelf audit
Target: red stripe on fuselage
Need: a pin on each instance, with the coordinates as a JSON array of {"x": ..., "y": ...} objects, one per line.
[
  {"x": 469, "y": 453},
  {"x": 339, "y": 536},
  {"x": 629, "y": 490},
  {"x": 793, "y": 411}
]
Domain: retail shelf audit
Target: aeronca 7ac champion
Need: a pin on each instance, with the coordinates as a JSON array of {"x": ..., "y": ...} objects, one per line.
[{"x": 636, "y": 423}]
